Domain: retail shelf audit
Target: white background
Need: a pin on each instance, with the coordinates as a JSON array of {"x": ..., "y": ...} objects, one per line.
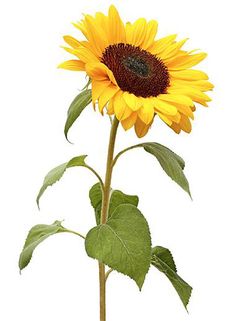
[{"x": 61, "y": 281}]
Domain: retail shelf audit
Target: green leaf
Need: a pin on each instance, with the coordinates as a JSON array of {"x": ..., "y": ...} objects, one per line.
[
  {"x": 117, "y": 198},
  {"x": 36, "y": 235},
  {"x": 162, "y": 259},
  {"x": 76, "y": 107},
  {"x": 171, "y": 163},
  {"x": 165, "y": 256},
  {"x": 123, "y": 243},
  {"x": 55, "y": 174},
  {"x": 89, "y": 81},
  {"x": 95, "y": 195}
]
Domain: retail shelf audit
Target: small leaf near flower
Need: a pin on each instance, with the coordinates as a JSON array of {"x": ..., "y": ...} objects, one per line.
[
  {"x": 37, "y": 235},
  {"x": 171, "y": 163},
  {"x": 76, "y": 108},
  {"x": 123, "y": 243},
  {"x": 55, "y": 174},
  {"x": 162, "y": 259},
  {"x": 89, "y": 81},
  {"x": 117, "y": 198}
]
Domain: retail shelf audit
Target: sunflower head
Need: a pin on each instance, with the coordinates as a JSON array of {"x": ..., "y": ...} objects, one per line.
[{"x": 135, "y": 76}]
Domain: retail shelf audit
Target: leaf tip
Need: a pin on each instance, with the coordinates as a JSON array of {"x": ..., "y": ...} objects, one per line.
[
  {"x": 139, "y": 281},
  {"x": 140, "y": 286},
  {"x": 20, "y": 264},
  {"x": 190, "y": 195},
  {"x": 188, "y": 299},
  {"x": 66, "y": 136},
  {"x": 37, "y": 201}
]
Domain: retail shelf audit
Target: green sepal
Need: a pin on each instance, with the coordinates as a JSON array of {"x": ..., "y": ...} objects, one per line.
[
  {"x": 55, "y": 174},
  {"x": 123, "y": 243},
  {"x": 117, "y": 198},
  {"x": 77, "y": 106},
  {"x": 163, "y": 260},
  {"x": 89, "y": 81},
  {"x": 36, "y": 235}
]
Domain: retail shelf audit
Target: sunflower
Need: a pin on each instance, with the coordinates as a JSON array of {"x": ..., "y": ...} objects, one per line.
[{"x": 136, "y": 77}]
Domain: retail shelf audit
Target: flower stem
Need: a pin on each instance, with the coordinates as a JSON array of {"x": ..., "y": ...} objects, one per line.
[{"x": 104, "y": 213}]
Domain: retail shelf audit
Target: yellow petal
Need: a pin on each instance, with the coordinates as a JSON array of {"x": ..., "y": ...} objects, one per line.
[
  {"x": 176, "y": 128},
  {"x": 116, "y": 27},
  {"x": 146, "y": 112},
  {"x": 185, "y": 124},
  {"x": 172, "y": 50},
  {"x": 74, "y": 65},
  {"x": 189, "y": 74},
  {"x": 80, "y": 25},
  {"x": 71, "y": 41},
  {"x": 128, "y": 31},
  {"x": 75, "y": 44},
  {"x": 71, "y": 51},
  {"x": 201, "y": 85},
  {"x": 176, "y": 118},
  {"x": 98, "y": 87},
  {"x": 161, "y": 44},
  {"x": 129, "y": 122},
  {"x": 176, "y": 98},
  {"x": 102, "y": 21},
  {"x": 186, "y": 110},
  {"x": 132, "y": 101},
  {"x": 135, "y": 33},
  {"x": 121, "y": 109},
  {"x": 99, "y": 71},
  {"x": 150, "y": 34},
  {"x": 165, "y": 107},
  {"x": 106, "y": 95},
  {"x": 110, "y": 107},
  {"x": 82, "y": 53},
  {"x": 187, "y": 61},
  {"x": 164, "y": 118},
  {"x": 193, "y": 93},
  {"x": 96, "y": 35},
  {"x": 141, "y": 128}
]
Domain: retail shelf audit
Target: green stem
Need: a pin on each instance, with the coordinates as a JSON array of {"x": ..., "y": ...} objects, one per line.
[
  {"x": 108, "y": 273},
  {"x": 104, "y": 213},
  {"x": 96, "y": 174},
  {"x": 76, "y": 233},
  {"x": 123, "y": 151}
]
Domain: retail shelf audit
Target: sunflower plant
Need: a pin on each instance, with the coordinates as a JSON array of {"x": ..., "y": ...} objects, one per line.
[{"x": 132, "y": 78}]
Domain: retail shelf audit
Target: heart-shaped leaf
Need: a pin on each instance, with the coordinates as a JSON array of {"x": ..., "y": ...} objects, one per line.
[
  {"x": 117, "y": 198},
  {"x": 123, "y": 243}
]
